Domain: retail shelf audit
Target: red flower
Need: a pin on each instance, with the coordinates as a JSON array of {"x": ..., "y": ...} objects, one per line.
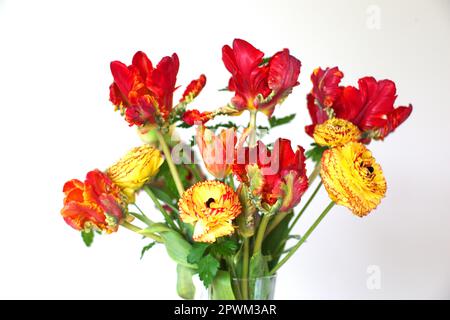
[
  {"x": 145, "y": 93},
  {"x": 193, "y": 89},
  {"x": 97, "y": 203},
  {"x": 276, "y": 174},
  {"x": 192, "y": 117},
  {"x": 259, "y": 85},
  {"x": 370, "y": 106}
]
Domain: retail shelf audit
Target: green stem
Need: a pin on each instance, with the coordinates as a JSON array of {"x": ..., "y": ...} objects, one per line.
[
  {"x": 303, "y": 239},
  {"x": 244, "y": 280},
  {"x": 276, "y": 221},
  {"x": 260, "y": 235},
  {"x": 235, "y": 287},
  {"x": 231, "y": 181},
  {"x": 141, "y": 217},
  {"x": 252, "y": 127},
  {"x": 172, "y": 167},
  {"x": 160, "y": 208},
  {"x": 133, "y": 228},
  {"x": 304, "y": 207},
  {"x": 314, "y": 174}
]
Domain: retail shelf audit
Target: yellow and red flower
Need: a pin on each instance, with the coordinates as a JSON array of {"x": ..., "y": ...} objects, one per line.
[
  {"x": 259, "y": 84},
  {"x": 97, "y": 203},
  {"x": 210, "y": 206},
  {"x": 274, "y": 175},
  {"x": 352, "y": 178},
  {"x": 145, "y": 93},
  {"x": 370, "y": 106},
  {"x": 217, "y": 151},
  {"x": 336, "y": 132},
  {"x": 132, "y": 171}
]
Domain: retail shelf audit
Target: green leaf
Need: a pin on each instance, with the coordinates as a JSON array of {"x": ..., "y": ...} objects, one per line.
[
  {"x": 315, "y": 153},
  {"x": 258, "y": 266},
  {"x": 228, "y": 124},
  {"x": 271, "y": 245},
  {"x": 177, "y": 248},
  {"x": 184, "y": 125},
  {"x": 275, "y": 122},
  {"x": 207, "y": 269},
  {"x": 146, "y": 248},
  {"x": 224, "y": 248},
  {"x": 197, "y": 251},
  {"x": 221, "y": 287},
  {"x": 88, "y": 237},
  {"x": 185, "y": 285}
]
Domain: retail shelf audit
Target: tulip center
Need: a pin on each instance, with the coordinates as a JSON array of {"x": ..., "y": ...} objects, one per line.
[{"x": 208, "y": 203}]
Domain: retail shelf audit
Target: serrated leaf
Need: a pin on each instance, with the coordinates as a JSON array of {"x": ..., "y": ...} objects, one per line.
[
  {"x": 207, "y": 269},
  {"x": 275, "y": 122},
  {"x": 146, "y": 248},
  {"x": 225, "y": 248},
  {"x": 315, "y": 153},
  {"x": 88, "y": 237},
  {"x": 228, "y": 124},
  {"x": 197, "y": 251}
]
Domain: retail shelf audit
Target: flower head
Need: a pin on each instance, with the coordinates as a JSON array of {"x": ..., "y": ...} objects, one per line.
[
  {"x": 274, "y": 175},
  {"x": 132, "y": 171},
  {"x": 192, "y": 117},
  {"x": 96, "y": 203},
  {"x": 258, "y": 84},
  {"x": 352, "y": 178},
  {"x": 145, "y": 93},
  {"x": 370, "y": 106},
  {"x": 217, "y": 150},
  {"x": 336, "y": 132},
  {"x": 210, "y": 206}
]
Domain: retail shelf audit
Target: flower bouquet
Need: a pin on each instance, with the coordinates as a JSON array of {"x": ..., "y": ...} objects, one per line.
[{"x": 231, "y": 224}]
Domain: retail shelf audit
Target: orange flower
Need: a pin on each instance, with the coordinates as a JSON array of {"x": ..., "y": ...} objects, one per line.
[
  {"x": 352, "y": 178},
  {"x": 217, "y": 151},
  {"x": 210, "y": 206},
  {"x": 96, "y": 203}
]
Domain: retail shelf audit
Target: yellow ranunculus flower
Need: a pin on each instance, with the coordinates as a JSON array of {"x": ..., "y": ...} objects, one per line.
[
  {"x": 210, "y": 206},
  {"x": 132, "y": 171},
  {"x": 336, "y": 132},
  {"x": 352, "y": 178}
]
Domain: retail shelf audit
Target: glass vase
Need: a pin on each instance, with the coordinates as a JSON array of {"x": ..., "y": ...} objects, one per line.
[{"x": 261, "y": 288}]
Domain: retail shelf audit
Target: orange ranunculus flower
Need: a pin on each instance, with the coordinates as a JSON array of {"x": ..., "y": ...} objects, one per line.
[
  {"x": 352, "y": 178},
  {"x": 217, "y": 151},
  {"x": 97, "y": 203},
  {"x": 210, "y": 206},
  {"x": 336, "y": 132}
]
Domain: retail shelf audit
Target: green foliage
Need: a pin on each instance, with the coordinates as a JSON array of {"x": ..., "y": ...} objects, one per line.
[
  {"x": 221, "y": 286},
  {"x": 225, "y": 248},
  {"x": 258, "y": 266},
  {"x": 315, "y": 153},
  {"x": 185, "y": 285},
  {"x": 88, "y": 237},
  {"x": 207, "y": 269},
  {"x": 271, "y": 245},
  {"x": 275, "y": 122},
  {"x": 177, "y": 247},
  {"x": 197, "y": 251},
  {"x": 146, "y": 248},
  {"x": 228, "y": 124}
]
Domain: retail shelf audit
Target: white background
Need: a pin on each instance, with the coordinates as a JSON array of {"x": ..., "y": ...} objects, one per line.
[{"x": 57, "y": 123}]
